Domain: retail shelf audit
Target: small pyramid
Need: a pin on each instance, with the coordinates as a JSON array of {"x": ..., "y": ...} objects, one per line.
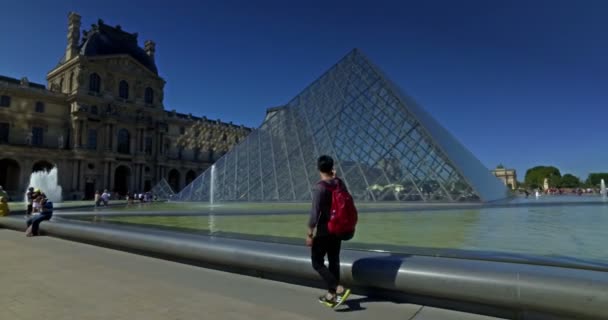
[{"x": 385, "y": 147}]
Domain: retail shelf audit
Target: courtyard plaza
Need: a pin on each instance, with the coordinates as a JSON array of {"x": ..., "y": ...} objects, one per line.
[{"x": 49, "y": 278}]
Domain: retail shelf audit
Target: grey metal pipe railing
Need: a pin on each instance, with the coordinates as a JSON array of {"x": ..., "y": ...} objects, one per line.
[{"x": 521, "y": 288}]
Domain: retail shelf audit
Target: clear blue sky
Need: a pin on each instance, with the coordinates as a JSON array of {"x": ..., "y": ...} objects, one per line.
[{"x": 518, "y": 82}]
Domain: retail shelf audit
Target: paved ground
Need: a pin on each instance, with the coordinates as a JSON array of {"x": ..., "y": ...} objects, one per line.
[{"x": 48, "y": 278}]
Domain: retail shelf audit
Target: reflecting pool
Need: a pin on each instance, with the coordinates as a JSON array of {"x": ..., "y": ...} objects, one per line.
[{"x": 569, "y": 231}]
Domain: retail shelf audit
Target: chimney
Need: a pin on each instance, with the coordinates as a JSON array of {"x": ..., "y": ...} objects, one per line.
[
  {"x": 73, "y": 36},
  {"x": 150, "y": 48}
]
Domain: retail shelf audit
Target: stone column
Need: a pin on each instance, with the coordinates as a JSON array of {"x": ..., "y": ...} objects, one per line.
[
  {"x": 104, "y": 178},
  {"x": 133, "y": 142},
  {"x": 81, "y": 135},
  {"x": 77, "y": 134},
  {"x": 108, "y": 137},
  {"x": 110, "y": 185},
  {"x": 141, "y": 177},
  {"x": 161, "y": 142},
  {"x": 24, "y": 174},
  {"x": 135, "y": 174},
  {"x": 79, "y": 176},
  {"x": 74, "y": 165}
]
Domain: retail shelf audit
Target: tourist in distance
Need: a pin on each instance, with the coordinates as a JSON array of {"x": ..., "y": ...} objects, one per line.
[
  {"x": 46, "y": 213},
  {"x": 105, "y": 198},
  {"x": 36, "y": 198},
  {"x": 332, "y": 225},
  {"x": 97, "y": 197},
  {"x": 3, "y": 193},
  {"x": 30, "y": 200},
  {"x": 4, "y": 209}
]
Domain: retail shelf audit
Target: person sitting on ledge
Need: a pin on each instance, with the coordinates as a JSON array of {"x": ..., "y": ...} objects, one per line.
[
  {"x": 4, "y": 210},
  {"x": 30, "y": 201},
  {"x": 105, "y": 197},
  {"x": 3, "y": 193},
  {"x": 46, "y": 213},
  {"x": 36, "y": 198}
]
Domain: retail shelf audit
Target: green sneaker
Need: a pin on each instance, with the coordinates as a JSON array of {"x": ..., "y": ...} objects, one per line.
[
  {"x": 340, "y": 298},
  {"x": 327, "y": 302}
]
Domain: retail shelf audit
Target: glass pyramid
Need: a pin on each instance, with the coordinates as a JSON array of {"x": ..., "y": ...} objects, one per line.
[
  {"x": 385, "y": 146},
  {"x": 162, "y": 190}
]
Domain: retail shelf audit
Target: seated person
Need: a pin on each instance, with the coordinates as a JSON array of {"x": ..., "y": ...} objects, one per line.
[
  {"x": 105, "y": 197},
  {"x": 46, "y": 213},
  {"x": 4, "y": 211}
]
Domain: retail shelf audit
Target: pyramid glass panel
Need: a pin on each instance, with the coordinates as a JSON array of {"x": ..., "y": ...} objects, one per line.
[{"x": 385, "y": 147}]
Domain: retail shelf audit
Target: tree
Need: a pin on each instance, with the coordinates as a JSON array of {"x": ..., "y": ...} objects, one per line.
[
  {"x": 594, "y": 179},
  {"x": 570, "y": 181},
  {"x": 500, "y": 166},
  {"x": 535, "y": 177}
]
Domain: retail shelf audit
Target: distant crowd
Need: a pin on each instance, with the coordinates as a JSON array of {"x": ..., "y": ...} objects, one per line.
[
  {"x": 560, "y": 191},
  {"x": 131, "y": 197}
]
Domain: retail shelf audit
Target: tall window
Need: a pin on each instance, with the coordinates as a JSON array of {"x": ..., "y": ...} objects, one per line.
[
  {"x": 123, "y": 89},
  {"x": 149, "y": 95},
  {"x": 94, "y": 82},
  {"x": 4, "y": 131},
  {"x": 148, "y": 145},
  {"x": 197, "y": 154},
  {"x": 92, "y": 142},
  {"x": 40, "y": 107},
  {"x": 210, "y": 155},
  {"x": 124, "y": 143},
  {"x": 5, "y": 101},
  {"x": 94, "y": 110},
  {"x": 37, "y": 136}
]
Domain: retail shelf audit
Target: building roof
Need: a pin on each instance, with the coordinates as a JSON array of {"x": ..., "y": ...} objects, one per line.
[
  {"x": 103, "y": 39},
  {"x": 191, "y": 117},
  {"x": 18, "y": 82}
]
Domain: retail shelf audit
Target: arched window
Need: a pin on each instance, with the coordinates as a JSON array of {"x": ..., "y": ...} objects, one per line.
[
  {"x": 94, "y": 82},
  {"x": 149, "y": 95},
  {"x": 124, "y": 141},
  {"x": 123, "y": 89}
]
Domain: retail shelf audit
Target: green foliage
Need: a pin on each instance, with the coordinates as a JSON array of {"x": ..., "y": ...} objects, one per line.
[
  {"x": 535, "y": 177},
  {"x": 570, "y": 181},
  {"x": 593, "y": 180},
  {"x": 500, "y": 166}
]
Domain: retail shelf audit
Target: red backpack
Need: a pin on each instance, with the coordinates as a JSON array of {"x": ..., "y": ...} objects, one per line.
[{"x": 343, "y": 214}]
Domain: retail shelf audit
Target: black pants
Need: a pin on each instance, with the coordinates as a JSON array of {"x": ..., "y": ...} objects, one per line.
[
  {"x": 330, "y": 246},
  {"x": 36, "y": 220},
  {"x": 29, "y": 209}
]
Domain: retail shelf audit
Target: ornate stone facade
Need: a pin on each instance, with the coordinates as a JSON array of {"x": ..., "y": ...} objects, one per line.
[
  {"x": 102, "y": 122},
  {"x": 507, "y": 176}
]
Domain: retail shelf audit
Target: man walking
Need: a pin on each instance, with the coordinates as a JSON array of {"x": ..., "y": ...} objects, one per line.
[{"x": 323, "y": 242}]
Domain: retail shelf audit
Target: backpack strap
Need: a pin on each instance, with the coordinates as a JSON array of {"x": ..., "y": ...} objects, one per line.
[{"x": 330, "y": 186}]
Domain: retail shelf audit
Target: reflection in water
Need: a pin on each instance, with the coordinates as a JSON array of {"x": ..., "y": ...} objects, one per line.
[{"x": 574, "y": 231}]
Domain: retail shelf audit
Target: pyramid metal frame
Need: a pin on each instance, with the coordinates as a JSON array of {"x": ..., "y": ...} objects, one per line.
[
  {"x": 386, "y": 147},
  {"x": 162, "y": 190}
]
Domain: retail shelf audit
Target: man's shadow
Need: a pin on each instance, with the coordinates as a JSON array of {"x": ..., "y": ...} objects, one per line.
[
  {"x": 355, "y": 304},
  {"x": 381, "y": 270}
]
